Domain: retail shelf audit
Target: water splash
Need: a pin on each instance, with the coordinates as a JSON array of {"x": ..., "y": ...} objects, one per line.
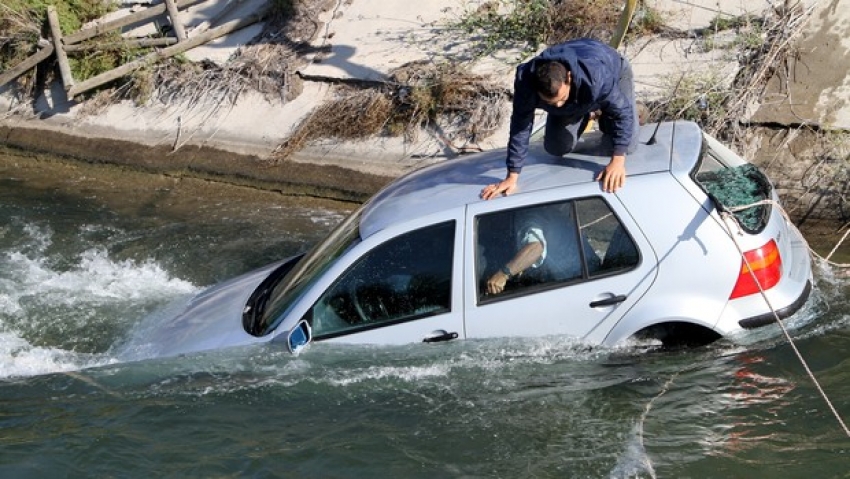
[
  {"x": 95, "y": 279},
  {"x": 61, "y": 311},
  {"x": 18, "y": 358}
]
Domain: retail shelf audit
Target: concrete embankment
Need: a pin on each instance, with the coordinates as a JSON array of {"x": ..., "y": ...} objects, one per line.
[{"x": 205, "y": 162}]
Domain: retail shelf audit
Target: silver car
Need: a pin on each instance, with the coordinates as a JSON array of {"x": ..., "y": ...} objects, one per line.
[{"x": 670, "y": 257}]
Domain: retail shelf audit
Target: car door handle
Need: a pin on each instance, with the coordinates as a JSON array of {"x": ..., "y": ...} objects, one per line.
[
  {"x": 608, "y": 301},
  {"x": 439, "y": 336}
]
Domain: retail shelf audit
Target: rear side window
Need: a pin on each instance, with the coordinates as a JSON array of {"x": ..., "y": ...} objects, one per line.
[
  {"x": 735, "y": 186},
  {"x": 405, "y": 278},
  {"x": 608, "y": 238},
  {"x": 539, "y": 246}
]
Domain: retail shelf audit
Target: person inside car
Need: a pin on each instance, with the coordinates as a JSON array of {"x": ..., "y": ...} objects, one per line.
[{"x": 546, "y": 250}]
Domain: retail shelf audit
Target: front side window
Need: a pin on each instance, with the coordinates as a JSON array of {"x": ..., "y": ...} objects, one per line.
[
  {"x": 536, "y": 248},
  {"x": 405, "y": 278},
  {"x": 268, "y": 305}
]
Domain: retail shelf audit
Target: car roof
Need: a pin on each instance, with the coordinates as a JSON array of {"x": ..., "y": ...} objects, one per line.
[{"x": 457, "y": 182}]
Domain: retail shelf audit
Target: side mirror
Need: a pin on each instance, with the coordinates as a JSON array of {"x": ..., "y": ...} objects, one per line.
[{"x": 298, "y": 337}]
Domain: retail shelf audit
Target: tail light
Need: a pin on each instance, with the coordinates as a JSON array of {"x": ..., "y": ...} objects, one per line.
[{"x": 766, "y": 265}]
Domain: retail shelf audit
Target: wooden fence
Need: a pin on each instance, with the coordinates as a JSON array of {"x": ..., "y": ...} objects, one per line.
[{"x": 60, "y": 45}]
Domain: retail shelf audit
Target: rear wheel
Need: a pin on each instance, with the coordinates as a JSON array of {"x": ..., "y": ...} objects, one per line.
[{"x": 678, "y": 335}]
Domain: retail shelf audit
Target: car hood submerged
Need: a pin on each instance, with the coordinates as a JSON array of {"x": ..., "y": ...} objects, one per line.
[{"x": 211, "y": 320}]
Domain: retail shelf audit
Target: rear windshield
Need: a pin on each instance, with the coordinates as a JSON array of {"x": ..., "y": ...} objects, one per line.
[{"x": 731, "y": 183}]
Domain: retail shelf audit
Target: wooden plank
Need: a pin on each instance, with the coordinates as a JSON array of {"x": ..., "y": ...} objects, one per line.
[
  {"x": 27, "y": 64},
  {"x": 130, "y": 43},
  {"x": 174, "y": 16},
  {"x": 137, "y": 17},
  {"x": 56, "y": 32},
  {"x": 224, "y": 12},
  {"x": 180, "y": 47},
  {"x": 623, "y": 24}
]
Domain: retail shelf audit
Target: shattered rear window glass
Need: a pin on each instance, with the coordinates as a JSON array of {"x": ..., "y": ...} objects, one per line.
[{"x": 737, "y": 186}]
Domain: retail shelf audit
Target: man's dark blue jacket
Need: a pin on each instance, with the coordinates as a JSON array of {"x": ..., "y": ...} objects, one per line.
[{"x": 595, "y": 71}]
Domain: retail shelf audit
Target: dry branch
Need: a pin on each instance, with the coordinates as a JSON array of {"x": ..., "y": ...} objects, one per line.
[{"x": 783, "y": 26}]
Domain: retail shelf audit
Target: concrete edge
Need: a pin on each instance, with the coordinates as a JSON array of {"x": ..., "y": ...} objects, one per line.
[{"x": 291, "y": 177}]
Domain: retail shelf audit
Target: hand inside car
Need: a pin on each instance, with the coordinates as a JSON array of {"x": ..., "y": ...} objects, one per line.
[{"x": 496, "y": 283}]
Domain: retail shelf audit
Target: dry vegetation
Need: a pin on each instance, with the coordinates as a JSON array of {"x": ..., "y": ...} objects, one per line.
[
  {"x": 445, "y": 98},
  {"x": 416, "y": 96},
  {"x": 497, "y": 25},
  {"x": 267, "y": 65},
  {"x": 708, "y": 98}
]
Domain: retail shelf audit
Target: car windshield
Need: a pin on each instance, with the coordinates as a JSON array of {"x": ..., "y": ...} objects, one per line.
[
  {"x": 732, "y": 182},
  {"x": 311, "y": 266}
]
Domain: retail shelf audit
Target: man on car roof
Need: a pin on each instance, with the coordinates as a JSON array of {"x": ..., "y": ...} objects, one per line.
[{"x": 574, "y": 82}]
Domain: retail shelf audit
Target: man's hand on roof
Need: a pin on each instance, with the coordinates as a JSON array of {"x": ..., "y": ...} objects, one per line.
[
  {"x": 504, "y": 187},
  {"x": 613, "y": 177}
]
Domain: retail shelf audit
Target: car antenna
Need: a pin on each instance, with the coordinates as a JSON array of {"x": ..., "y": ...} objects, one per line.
[{"x": 652, "y": 140}]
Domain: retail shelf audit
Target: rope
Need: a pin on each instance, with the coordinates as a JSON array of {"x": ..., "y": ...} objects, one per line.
[
  {"x": 836, "y": 247},
  {"x": 645, "y": 414},
  {"x": 788, "y": 218},
  {"x": 728, "y": 214}
]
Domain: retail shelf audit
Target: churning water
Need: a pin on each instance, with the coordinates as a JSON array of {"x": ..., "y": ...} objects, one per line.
[{"x": 87, "y": 255}]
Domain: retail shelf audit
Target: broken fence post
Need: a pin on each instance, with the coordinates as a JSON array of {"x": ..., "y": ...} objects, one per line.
[
  {"x": 31, "y": 62},
  {"x": 174, "y": 16},
  {"x": 56, "y": 32},
  {"x": 623, "y": 24},
  {"x": 137, "y": 17},
  {"x": 131, "y": 43},
  {"x": 180, "y": 47}
]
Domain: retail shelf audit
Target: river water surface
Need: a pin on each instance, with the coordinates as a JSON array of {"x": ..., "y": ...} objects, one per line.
[{"x": 86, "y": 254}]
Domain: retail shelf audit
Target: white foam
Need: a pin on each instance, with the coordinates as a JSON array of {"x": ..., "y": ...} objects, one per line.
[
  {"x": 96, "y": 279},
  {"x": 36, "y": 288},
  {"x": 634, "y": 462},
  {"x": 407, "y": 374},
  {"x": 20, "y": 358}
]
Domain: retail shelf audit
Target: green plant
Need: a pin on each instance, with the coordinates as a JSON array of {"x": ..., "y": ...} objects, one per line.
[
  {"x": 501, "y": 24},
  {"x": 72, "y": 13},
  {"x": 22, "y": 23},
  {"x": 750, "y": 39},
  {"x": 727, "y": 22},
  {"x": 748, "y": 29},
  {"x": 646, "y": 21},
  {"x": 527, "y": 24}
]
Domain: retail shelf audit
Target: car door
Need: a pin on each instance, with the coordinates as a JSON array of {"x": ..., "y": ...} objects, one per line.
[
  {"x": 585, "y": 297},
  {"x": 398, "y": 286}
]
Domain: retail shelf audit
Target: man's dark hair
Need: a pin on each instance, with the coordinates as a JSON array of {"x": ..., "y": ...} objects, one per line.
[{"x": 548, "y": 77}]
